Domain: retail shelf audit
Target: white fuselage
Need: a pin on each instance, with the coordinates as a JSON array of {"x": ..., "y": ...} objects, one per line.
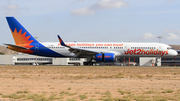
[{"x": 119, "y": 49}]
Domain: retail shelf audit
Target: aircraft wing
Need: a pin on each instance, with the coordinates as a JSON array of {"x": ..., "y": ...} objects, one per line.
[
  {"x": 17, "y": 47},
  {"x": 77, "y": 51},
  {"x": 83, "y": 50}
]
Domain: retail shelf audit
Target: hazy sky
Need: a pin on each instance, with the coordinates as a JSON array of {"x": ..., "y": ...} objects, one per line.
[{"x": 94, "y": 20}]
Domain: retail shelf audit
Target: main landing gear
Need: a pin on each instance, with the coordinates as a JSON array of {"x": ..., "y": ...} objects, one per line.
[
  {"x": 88, "y": 63},
  {"x": 155, "y": 64}
]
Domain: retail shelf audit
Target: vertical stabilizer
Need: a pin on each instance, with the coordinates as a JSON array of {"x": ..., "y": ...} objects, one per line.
[{"x": 20, "y": 34}]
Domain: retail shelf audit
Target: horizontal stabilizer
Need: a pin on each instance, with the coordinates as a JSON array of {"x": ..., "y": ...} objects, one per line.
[{"x": 18, "y": 47}]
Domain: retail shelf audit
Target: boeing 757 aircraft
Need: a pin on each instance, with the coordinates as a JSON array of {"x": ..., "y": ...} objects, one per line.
[{"x": 98, "y": 51}]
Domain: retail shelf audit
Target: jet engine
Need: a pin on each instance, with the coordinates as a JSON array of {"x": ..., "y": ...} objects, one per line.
[{"x": 105, "y": 57}]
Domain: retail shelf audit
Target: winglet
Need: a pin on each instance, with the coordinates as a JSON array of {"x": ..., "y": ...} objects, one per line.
[{"x": 61, "y": 41}]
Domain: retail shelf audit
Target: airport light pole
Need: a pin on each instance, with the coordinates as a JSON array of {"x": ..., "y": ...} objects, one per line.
[{"x": 159, "y": 38}]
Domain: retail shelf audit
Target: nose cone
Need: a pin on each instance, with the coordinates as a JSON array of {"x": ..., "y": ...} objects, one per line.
[{"x": 174, "y": 53}]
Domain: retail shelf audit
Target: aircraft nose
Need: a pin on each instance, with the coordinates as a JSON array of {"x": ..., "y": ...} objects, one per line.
[{"x": 175, "y": 53}]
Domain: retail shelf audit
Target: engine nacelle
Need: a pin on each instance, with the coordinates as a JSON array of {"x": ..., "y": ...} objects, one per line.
[{"x": 105, "y": 57}]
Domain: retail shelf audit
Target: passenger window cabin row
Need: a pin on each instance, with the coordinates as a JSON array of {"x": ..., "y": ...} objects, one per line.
[{"x": 143, "y": 47}]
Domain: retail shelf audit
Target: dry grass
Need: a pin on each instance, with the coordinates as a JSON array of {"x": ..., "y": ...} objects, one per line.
[{"x": 100, "y": 83}]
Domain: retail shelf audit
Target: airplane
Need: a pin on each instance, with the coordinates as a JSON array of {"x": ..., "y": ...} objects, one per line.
[{"x": 92, "y": 51}]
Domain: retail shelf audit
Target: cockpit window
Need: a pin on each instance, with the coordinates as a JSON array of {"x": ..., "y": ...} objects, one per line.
[{"x": 169, "y": 48}]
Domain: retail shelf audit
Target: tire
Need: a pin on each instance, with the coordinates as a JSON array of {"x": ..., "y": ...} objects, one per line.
[{"x": 155, "y": 64}]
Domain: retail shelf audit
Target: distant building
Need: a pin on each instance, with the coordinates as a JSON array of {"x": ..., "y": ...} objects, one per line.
[
  {"x": 25, "y": 59},
  {"x": 171, "y": 61}
]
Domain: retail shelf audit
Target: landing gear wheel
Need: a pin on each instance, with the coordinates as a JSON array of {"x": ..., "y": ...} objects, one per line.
[
  {"x": 90, "y": 63},
  {"x": 87, "y": 63},
  {"x": 155, "y": 64}
]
